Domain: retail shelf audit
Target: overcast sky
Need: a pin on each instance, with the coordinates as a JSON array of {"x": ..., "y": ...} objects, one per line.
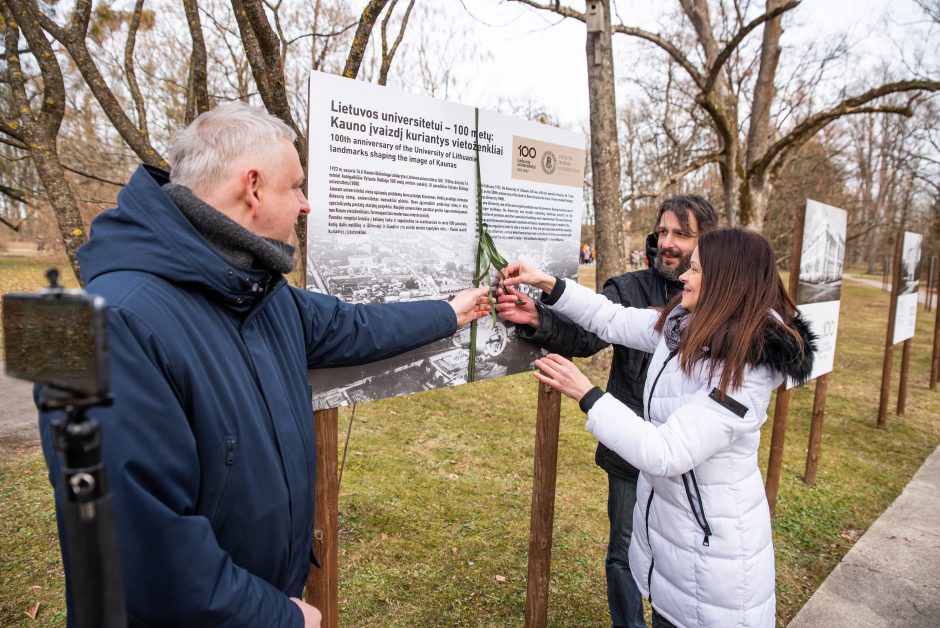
[{"x": 536, "y": 56}]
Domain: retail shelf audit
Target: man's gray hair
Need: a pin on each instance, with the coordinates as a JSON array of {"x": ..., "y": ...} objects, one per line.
[{"x": 204, "y": 151}]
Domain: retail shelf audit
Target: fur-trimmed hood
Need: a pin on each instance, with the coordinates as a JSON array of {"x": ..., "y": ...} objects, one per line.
[{"x": 782, "y": 352}]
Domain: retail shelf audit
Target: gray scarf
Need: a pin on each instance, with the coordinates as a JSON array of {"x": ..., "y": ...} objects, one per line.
[
  {"x": 230, "y": 239},
  {"x": 674, "y": 328}
]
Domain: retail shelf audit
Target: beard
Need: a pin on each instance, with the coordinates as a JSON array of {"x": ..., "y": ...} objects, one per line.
[{"x": 672, "y": 274}]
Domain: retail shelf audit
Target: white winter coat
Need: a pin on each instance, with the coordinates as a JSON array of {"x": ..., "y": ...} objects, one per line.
[{"x": 730, "y": 581}]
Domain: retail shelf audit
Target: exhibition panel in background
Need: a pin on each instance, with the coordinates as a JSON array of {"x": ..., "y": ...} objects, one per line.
[
  {"x": 906, "y": 313},
  {"x": 393, "y": 217},
  {"x": 819, "y": 289}
]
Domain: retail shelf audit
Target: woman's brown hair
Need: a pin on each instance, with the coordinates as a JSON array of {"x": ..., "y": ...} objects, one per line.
[{"x": 740, "y": 287}]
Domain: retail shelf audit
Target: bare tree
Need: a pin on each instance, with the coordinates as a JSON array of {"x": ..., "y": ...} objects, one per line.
[
  {"x": 141, "y": 93},
  {"x": 605, "y": 151},
  {"x": 35, "y": 131},
  {"x": 750, "y": 161}
]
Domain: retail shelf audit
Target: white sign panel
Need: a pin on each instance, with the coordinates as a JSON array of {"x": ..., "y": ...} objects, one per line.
[
  {"x": 393, "y": 217},
  {"x": 820, "y": 283},
  {"x": 906, "y": 312}
]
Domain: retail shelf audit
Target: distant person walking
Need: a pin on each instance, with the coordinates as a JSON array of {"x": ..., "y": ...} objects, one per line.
[{"x": 587, "y": 256}]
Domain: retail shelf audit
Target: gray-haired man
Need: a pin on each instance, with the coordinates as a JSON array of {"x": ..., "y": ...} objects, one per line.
[{"x": 209, "y": 444}]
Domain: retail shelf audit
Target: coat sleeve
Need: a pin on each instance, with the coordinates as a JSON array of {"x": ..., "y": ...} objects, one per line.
[
  {"x": 611, "y": 322},
  {"x": 559, "y": 334},
  {"x": 174, "y": 572},
  {"x": 693, "y": 433},
  {"x": 344, "y": 334}
]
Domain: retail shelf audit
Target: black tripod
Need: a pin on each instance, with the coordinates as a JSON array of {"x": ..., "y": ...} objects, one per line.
[{"x": 90, "y": 541}]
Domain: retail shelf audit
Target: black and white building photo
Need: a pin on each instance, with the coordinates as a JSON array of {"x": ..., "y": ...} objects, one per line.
[{"x": 822, "y": 255}]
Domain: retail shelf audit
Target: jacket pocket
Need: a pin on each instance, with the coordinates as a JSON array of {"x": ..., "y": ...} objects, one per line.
[{"x": 229, "y": 450}]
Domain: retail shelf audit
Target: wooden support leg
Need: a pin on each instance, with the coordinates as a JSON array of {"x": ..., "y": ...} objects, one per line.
[
  {"x": 323, "y": 583},
  {"x": 815, "y": 430},
  {"x": 905, "y": 367},
  {"x": 548, "y": 418},
  {"x": 777, "y": 439}
]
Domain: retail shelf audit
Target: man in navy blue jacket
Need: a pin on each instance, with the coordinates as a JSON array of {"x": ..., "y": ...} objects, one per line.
[{"x": 210, "y": 444}]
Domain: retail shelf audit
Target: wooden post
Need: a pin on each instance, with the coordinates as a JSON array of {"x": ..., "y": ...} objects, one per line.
[
  {"x": 548, "y": 418},
  {"x": 889, "y": 339},
  {"x": 935, "y": 356},
  {"x": 905, "y": 367},
  {"x": 931, "y": 283},
  {"x": 782, "y": 407},
  {"x": 815, "y": 430},
  {"x": 323, "y": 583},
  {"x": 777, "y": 439}
]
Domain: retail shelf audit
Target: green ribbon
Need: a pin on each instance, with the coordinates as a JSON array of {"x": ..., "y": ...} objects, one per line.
[{"x": 487, "y": 256}]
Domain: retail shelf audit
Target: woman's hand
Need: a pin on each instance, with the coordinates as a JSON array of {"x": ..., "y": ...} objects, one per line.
[
  {"x": 562, "y": 375},
  {"x": 521, "y": 272},
  {"x": 516, "y": 307}
]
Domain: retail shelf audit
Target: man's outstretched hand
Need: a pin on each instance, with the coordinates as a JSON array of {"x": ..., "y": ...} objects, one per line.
[
  {"x": 516, "y": 307},
  {"x": 311, "y": 613},
  {"x": 470, "y": 304}
]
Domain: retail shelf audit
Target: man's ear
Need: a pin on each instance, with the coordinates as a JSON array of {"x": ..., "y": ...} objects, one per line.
[{"x": 251, "y": 190}]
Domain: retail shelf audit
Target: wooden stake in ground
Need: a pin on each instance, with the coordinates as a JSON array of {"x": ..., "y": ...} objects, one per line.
[
  {"x": 935, "y": 356},
  {"x": 905, "y": 367},
  {"x": 889, "y": 338},
  {"x": 548, "y": 418},
  {"x": 782, "y": 407},
  {"x": 815, "y": 430},
  {"x": 931, "y": 284},
  {"x": 323, "y": 583}
]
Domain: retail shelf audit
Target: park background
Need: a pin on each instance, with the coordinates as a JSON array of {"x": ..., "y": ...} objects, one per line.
[{"x": 435, "y": 496}]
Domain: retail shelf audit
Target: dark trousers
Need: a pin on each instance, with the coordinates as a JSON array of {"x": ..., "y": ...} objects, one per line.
[
  {"x": 623, "y": 596},
  {"x": 661, "y": 622}
]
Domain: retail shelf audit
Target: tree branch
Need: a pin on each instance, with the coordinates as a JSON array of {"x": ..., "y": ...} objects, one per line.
[
  {"x": 13, "y": 193},
  {"x": 735, "y": 41},
  {"x": 53, "y": 86},
  {"x": 850, "y": 106},
  {"x": 131, "y": 75},
  {"x": 389, "y": 54},
  {"x": 673, "y": 178},
  {"x": 667, "y": 46},
  {"x": 358, "y": 48},
  {"x": 15, "y": 226},
  {"x": 197, "y": 93},
  {"x": 89, "y": 175},
  {"x": 73, "y": 39},
  {"x": 264, "y": 55}
]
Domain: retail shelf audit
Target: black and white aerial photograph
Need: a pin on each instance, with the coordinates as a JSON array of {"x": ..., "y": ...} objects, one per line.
[
  {"x": 395, "y": 266},
  {"x": 822, "y": 254}
]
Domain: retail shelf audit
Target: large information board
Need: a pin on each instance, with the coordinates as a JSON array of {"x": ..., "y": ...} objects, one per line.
[
  {"x": 819, "y": 290},
  {"x": 392, "y": 191}
]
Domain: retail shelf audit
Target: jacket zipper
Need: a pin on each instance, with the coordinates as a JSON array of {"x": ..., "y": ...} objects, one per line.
[
  {"x": 649, "y": 575},
  {"x": 701, "y": 521},
  {"x": 649, "y": 502}
]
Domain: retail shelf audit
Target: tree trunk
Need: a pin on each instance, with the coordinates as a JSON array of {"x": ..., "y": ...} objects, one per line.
[
  {"x": 39, "y": 129},
  {"x": 64, "y": 206},
  {"x": 731, "y": 182},
  {"x": 605, "y": 153},
  {"x": 758, "y": 137}
]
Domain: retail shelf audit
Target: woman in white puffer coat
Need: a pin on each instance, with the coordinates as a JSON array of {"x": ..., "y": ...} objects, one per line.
[{"x": 701, "y": 551}]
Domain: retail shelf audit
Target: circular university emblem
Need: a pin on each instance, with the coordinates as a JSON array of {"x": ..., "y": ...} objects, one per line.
[{"x": 548, "y": 162}]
